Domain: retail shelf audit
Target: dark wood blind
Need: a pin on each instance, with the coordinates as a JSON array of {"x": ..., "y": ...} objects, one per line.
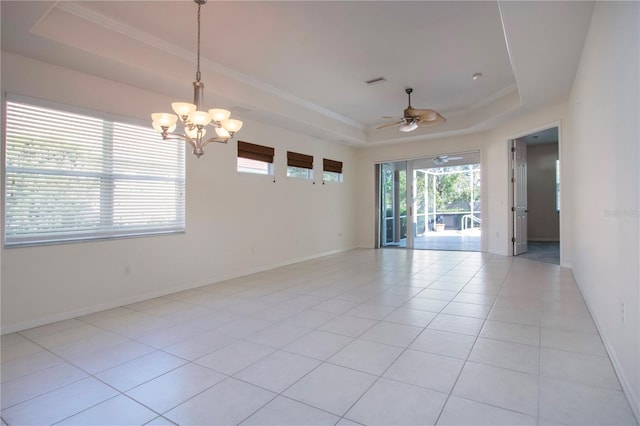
[
  {"x": 331, "y": 165},
  {"x": 295, "y": 159},
  {"x": 255, "y": 152}
]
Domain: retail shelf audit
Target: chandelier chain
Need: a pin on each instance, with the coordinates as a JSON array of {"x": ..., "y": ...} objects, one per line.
[{"x": 198, "y": 62}]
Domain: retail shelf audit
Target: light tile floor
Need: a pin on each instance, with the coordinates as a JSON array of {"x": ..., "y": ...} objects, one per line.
[
  {"x": 363, "y": 337},
  {"x": 468, "y": 240}
]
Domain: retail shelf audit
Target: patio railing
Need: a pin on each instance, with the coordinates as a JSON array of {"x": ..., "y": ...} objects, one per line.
[{"x": 468, "y": 220}]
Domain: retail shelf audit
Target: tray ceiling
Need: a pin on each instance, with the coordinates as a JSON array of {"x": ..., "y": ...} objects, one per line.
[{"x": 303, "y": 65}]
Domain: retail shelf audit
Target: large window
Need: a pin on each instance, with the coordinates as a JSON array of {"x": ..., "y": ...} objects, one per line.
[{"x": 72, "y": 176}]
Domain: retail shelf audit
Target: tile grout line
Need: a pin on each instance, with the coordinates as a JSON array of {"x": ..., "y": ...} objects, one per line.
[
  {"x": 477, "y": 336},
  {"x": 340, "y": 417},
  {"x": 322, "y": 362},
  {"x": 94, "y": 376},
  {"x": 400, "y": 355}
]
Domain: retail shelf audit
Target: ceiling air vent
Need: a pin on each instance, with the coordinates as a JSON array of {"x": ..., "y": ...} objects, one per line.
[{"x": 376, "y": 80}]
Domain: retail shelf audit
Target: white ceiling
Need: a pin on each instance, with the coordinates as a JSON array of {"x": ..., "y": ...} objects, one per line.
[{"x": 303, "y": 65}]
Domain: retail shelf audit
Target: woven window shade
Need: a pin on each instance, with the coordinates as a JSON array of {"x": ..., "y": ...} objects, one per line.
[
  {"x": 255, "y": 152},
  {"x": 295, "y": 159},
  {"x": 331, "y": 165}
]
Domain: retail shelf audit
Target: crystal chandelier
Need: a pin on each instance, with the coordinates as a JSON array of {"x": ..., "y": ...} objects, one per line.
[{"x": 194, "y": 119}]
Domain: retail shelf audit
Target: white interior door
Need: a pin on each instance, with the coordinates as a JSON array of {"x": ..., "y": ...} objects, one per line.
[{"x": 519, "y": 197}]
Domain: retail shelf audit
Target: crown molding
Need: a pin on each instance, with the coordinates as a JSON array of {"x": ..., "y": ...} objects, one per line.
[
  {"x": 482, "y": 102},
  {"x": 174, "y": 50}
]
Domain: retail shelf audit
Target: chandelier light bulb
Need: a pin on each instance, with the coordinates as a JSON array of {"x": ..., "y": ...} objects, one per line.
[
  {"x": 200, "y": 118},
  {"x": 222, "y": 132},
  {"x": 164, "y": 119},
  {"x": 219, "y": 115},
  {"x": 183, "y": 109},
  {"x": 231, "y": 125}
]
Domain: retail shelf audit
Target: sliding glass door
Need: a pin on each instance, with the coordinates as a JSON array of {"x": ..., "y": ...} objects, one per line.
[{"x": 430, "y": 203}]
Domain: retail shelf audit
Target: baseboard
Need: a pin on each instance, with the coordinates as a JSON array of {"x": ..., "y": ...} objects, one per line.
[
  {"x": 12, "y": 328},
  {"x": 632, "y": 397},
  {"x": 567, "y": 266}
]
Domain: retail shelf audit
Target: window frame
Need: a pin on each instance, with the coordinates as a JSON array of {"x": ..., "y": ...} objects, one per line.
[
  {"x": 250, "y": 152},
  {"x": 557, "y": 186},
  {"x": 332, "y": 171},
  {"x": 299, "y": 166},
  {"x": 109, "y": 228}
]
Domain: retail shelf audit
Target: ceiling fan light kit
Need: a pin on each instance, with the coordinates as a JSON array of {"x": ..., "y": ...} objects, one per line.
[
  {"x": 194, "y": 118},
  {"x": 414, "y": 118},
  {"x": 408, "y": 127}
]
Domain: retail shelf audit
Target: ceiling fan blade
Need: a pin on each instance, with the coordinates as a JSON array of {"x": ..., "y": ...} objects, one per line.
[
  {"x": 388, "y": 117},
  {"x": 422, "y": 114},
  {"x": 438, "y": 120},
  {"x": 390, "y": 124}
]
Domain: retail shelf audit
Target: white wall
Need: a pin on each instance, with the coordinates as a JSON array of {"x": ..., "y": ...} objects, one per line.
[
  {"x": 496, "y": 189},
  {"x": 603, "y": 157},
  {"x": 543, "y": 221},
  {"x": 236, "y": 224}
]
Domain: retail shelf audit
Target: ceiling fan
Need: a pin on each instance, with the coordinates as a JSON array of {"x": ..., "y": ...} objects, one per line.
[
  {"x": 443, "y": 159},
  {"x": 414, "y": 118}
]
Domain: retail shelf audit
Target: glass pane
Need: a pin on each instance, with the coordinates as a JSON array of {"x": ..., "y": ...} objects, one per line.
[
  {"x": 332, "y": 177},
  {"x": 393, "y": 203},
  {"x": 420, "y": 192},
  {"x": 299, "y": 172},
  {"x": 246, "y": 165},
  {"x": 70, "y": 176},
  {"x": 402, "y": 189}
]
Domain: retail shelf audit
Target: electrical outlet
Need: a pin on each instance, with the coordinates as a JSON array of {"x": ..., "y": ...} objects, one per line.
[{"x": 622, "y": 311}]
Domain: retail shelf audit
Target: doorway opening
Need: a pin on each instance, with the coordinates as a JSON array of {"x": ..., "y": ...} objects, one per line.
[
  {"x": 536, "y": 195},
  {"x": 431, "y": 203}
]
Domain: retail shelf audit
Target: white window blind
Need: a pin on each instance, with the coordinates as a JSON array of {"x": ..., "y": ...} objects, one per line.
[
  {"x": 75, "y": 177},
  {"x": 247, "y": 165}
]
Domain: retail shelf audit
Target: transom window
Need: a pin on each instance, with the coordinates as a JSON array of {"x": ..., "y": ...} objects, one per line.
[
  {"x": 257, "y": 159},
  {"x": 331, "y": 170},
  {"x": 299, "y": 165},
  {"x": 74, "y": 176}
]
